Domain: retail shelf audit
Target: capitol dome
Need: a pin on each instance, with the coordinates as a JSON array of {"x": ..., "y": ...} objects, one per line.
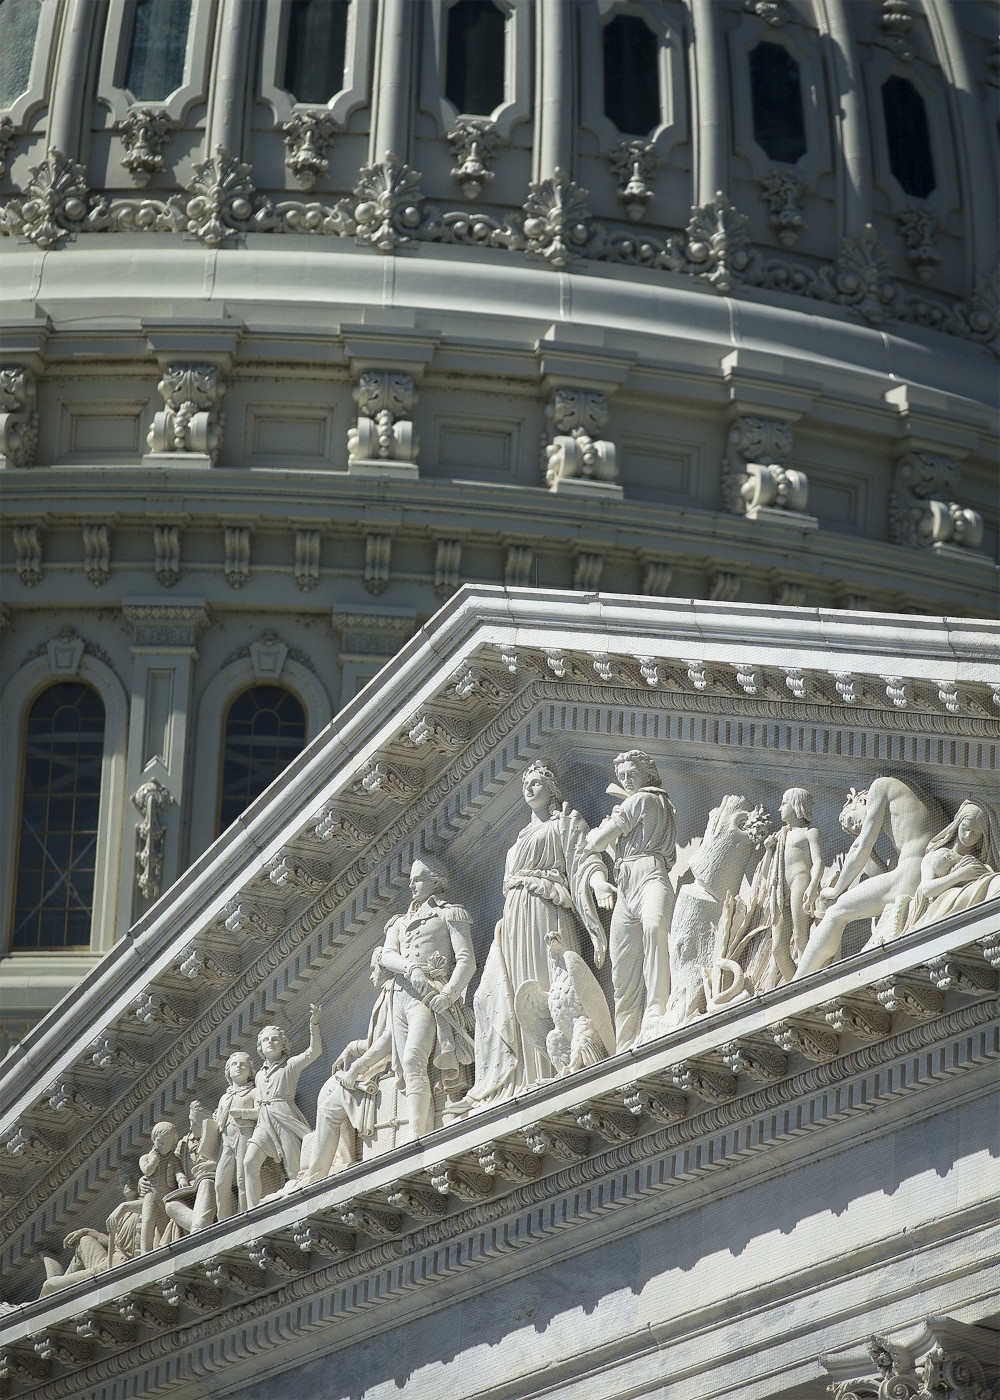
[{"x": 316, "y": 310}]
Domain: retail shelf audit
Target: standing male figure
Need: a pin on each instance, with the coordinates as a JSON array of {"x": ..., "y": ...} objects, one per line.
[
  {"x": 424, "y": 967},
  {"x": 910, "y": 818},
  {"x": 643, "y": 832}
]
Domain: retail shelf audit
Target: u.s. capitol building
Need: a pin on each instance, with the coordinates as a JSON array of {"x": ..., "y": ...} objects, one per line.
[{"x": 616, "y": 381}]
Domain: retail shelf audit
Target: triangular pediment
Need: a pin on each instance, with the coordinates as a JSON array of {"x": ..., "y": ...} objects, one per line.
[{"x": 285, "y": 909}]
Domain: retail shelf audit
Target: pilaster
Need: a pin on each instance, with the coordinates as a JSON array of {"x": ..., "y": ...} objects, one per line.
[{"x": 161, "y": 688}]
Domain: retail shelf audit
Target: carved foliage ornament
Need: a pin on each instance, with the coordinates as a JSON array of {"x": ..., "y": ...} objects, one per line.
[
  {"x": 18, "y": 416},
  {"x": 920, "y": 511},
  {"x": 151, "y": 798},
  {"x": 308, "y": 136},
  {"x": 784, "y": 192},
  {"x": 576, "y": 448},
  {"x": 754, "y": 474},
  {"x": 145, "y": 132},
  {"x": 192, "y": 420},
  {"x": 384, "y": 430},
  {"x": 474, "y": 142},
  {"x": 388, "y": 210},
  {"x": 940, "y": 1367},
  {"x": 633, "y": 164},
  {"x": 8, "y": 135}
]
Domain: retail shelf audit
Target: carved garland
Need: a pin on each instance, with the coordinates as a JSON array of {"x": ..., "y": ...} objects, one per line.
[{"x": 388, "y": 210}]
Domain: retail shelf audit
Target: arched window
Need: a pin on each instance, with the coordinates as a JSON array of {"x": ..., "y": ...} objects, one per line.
[
  {"x": 631, "y": 78},
  {"x": 265, "y": 728},
  {"x": 776, "y": 93},
  {"x": 474, "y": 73},
  {"x": 908, "y": 137},
  {"x": 60, "y": 803},
  {"x": 18, "y": 28},
  {"x": 315, "y": 50},
  {"x": 158, "y": 49}
]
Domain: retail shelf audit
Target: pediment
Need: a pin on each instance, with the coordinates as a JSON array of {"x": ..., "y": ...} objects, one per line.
[{"x": 285, "y": 910}]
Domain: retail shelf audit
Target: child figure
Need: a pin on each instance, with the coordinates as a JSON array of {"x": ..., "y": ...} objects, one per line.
[
  {"x": 236, "y": 1117},
  {"x": 280, "y": 1125},
  {"x": 159, "y": 1167},
  {"x": 793, "y": 883}
]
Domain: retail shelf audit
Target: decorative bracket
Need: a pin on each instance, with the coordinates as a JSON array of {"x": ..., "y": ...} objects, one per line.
[{"x": 151, "y": 798}]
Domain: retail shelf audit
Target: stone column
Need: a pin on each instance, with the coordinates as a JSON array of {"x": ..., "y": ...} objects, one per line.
[
  {"x": 391, "y": 118},
  {"x": 554, "y": 100},
  {"x": 855, "y": 173},
  {"x": 711, "y": 102},
  {"x": 229, "y": 80},
  {"x": 70, "y": 80},
  {"x": 977, "y": 180},
  {"x": 164, "y": 655}
]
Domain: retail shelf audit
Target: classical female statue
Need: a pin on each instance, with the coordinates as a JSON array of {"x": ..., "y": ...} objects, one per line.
[
  {"x": 552, "y": 883},
  {"x": 960, "y": 867}
]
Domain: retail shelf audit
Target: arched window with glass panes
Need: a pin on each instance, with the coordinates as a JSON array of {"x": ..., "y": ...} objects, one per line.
[
  {"x": 474, "y": 59},
  {"x": 264, "y": 729},
  {"x": 631, "y": 75},
  {"x": 157, "y": 53},
  {"x": 315, "y": 49},
  {"x": 908, "y": 136},
  {"x": 59, "y": 809}
]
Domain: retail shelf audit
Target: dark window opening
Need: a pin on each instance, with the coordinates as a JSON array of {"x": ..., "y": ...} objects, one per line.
[
  {"x": 265, "y": 729},
  {"x": 316, "y": 48},
  {"x": 60, "y": 805},
  {"x": 631, "y": 77},
  {"x": 158, "y": 49},
  {"x": 908, "y": 137},
  {"x": 474, "y": 72},
  {"x": 776, "y": 92}
]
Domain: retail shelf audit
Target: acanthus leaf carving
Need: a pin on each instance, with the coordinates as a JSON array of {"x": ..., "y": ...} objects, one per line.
[
  {"x": 316, "y": 1238},
  {"x": 307, "y": 554},
  {"x": 718, "y": 248},
  {"x": 756, "y": 1058},
  {"x": 755, "y": 479},
  {"x": 166, "y": 554},
  {"x": 918, "y": 228},
  {"x": 332, "y": 824},
  {"x": 388, "y": 205},
  {"x": 9, "y": 134},
  {"x": 145, "y": 132},
  {"x": 258, "y": 919},
  {"x": 806, "y": 1037},
  {"x": 576, "y": 449},
  {"x": 443, "y": 734},
  {"x": 504, "y": 1160},
  {"x": 655, "y": 1101},
  {"x": 18, "y": 416},
  {"x": 308, "y": 136},
  {"x": 784, "y": 192},
  {"x": 384, "y": 429},
  {"x": 192, "y": 420},
  {"x": 152, "y": 1009},
  {"x": 55, "y": 202},
  {"x": 558, "y": 225},
  {"x": 395, "y": 781},
  {"x": 920, "y": 511},
  {"x": 555, "y": 1140},
  {"x": 97, "y": 554},
  {"x": 633, "y": 164},
  {"x": 415, "y": 1199},
  {"x": 151, "y": 799},
  {"x": 474, "y": 142},
  {"x": 236, "y": 560}
]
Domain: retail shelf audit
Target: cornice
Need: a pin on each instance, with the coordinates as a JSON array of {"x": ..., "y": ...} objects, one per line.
[{"x": 618, "y": 1171}]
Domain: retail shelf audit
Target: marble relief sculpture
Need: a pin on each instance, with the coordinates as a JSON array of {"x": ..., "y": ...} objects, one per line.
[
  {"x": 910, "y": 818},
  {"x": 192, "y": 1205},
  {"x": 552, "y": 884},
  {"x": 960, "y": 867},
  {"x": 280, "y": 1127},
  {"x": 751, "y": 911},
  {"x": 160, "y": 1168},
  {"x": 420, "y": 1027},
  {"x": 787, "y": 880},
  {"x": 236, "y": 1118},
  {"x": 642, "y": 832},
  {"x": 733, "y": 836},
  {"x": 573, "y": 1019}
]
